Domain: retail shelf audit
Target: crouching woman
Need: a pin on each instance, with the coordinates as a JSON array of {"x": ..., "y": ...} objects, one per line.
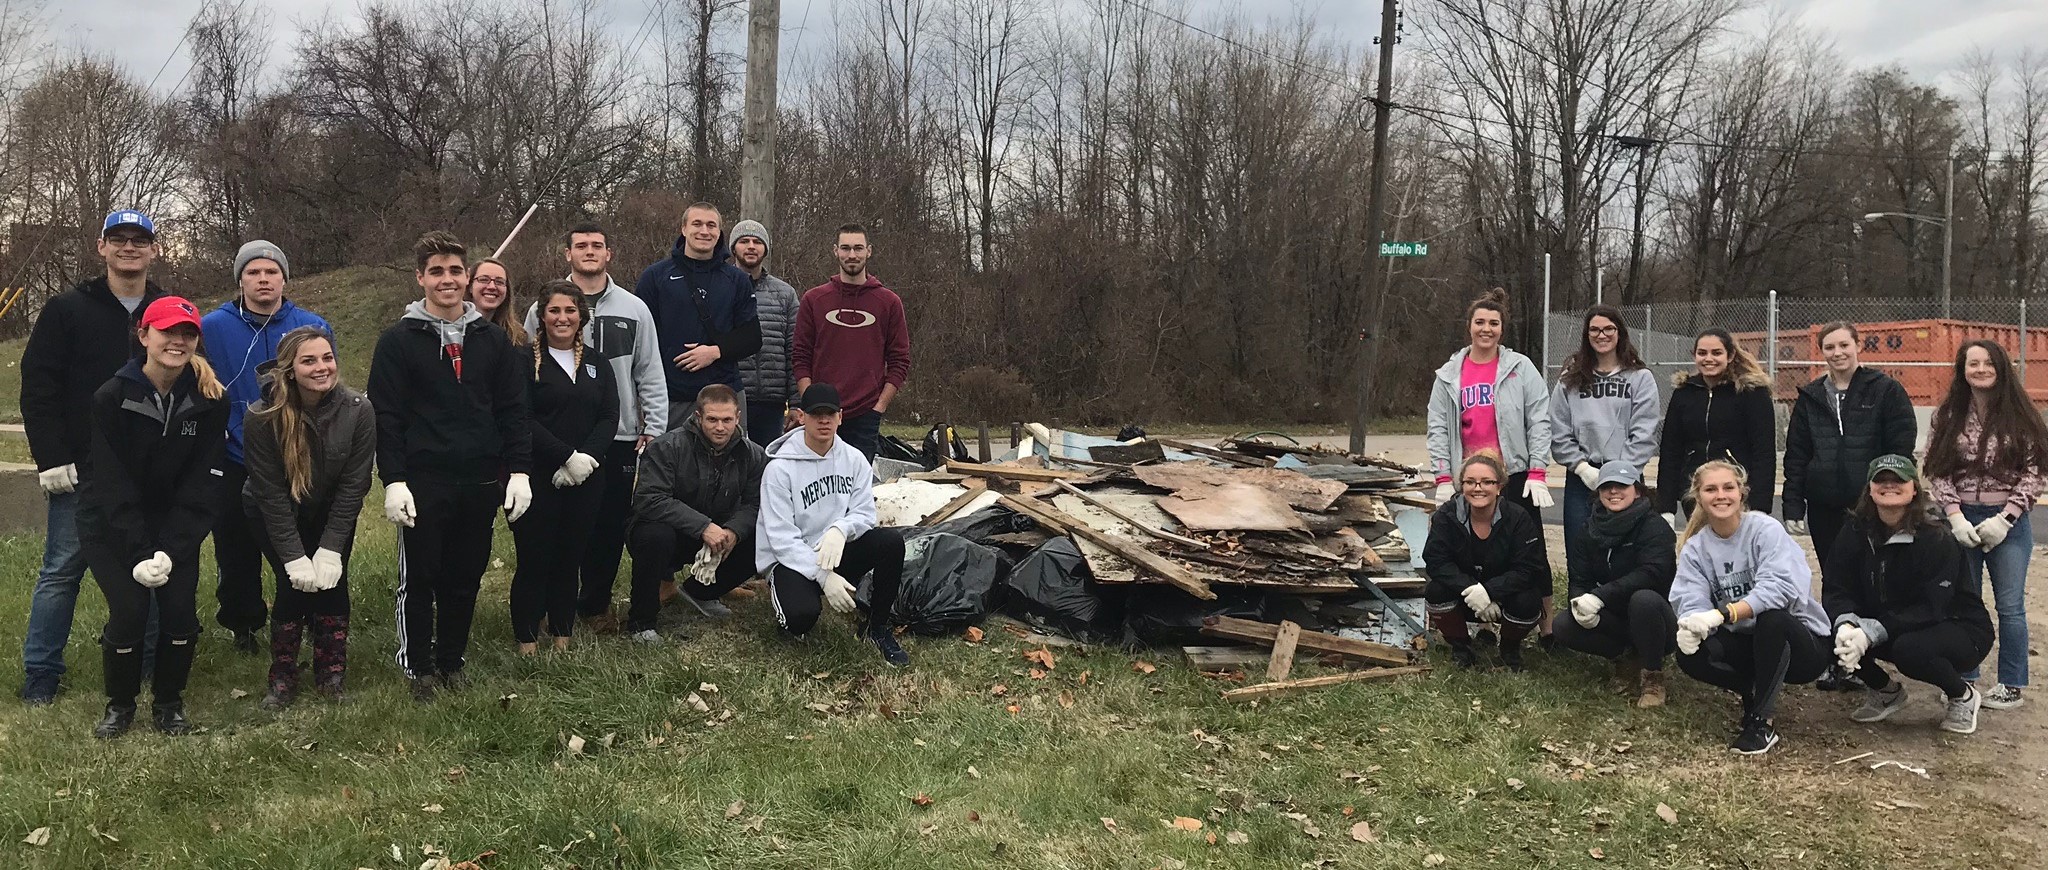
[
  {"x": 1486, "y": 563},
  {"x": 1747, "y": 619},
  {"x": 1895, "y": 587},
  {"x": 1620, "y": 583},
  {"x": 308, "y": 444}
]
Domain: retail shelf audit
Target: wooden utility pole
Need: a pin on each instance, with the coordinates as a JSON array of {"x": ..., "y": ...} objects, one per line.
[
  {"x": 757, "y": 149},
  {"x": 1375, "y": 207}
]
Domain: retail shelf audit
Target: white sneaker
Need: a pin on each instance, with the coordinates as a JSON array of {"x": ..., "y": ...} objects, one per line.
[
  {"x": 1880, "y": 704},
  {"x": 648, "y": 635},
  {"x": 1962, "y": 713},
  {"x": 2003, "y": 697}
]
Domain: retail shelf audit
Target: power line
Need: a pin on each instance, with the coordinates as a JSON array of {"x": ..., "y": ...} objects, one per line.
[{"x": 1328, "y": 76}]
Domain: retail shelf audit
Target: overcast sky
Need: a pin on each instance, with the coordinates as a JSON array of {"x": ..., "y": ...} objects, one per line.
[{"x": 1927, "y": 38}]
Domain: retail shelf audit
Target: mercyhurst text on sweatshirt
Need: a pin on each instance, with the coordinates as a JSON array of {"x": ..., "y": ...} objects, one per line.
[
  {"x": 1761, "y": 564},
  {"x": 804, "y": 494}
]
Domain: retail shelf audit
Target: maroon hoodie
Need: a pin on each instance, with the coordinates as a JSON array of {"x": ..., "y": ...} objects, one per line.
[{"x": 853, "y": 337}]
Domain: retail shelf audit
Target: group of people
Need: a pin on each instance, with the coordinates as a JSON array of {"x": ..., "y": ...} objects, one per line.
[
  {"x": 154, "y": 427},
  {"x": 1704, "y": 569}
]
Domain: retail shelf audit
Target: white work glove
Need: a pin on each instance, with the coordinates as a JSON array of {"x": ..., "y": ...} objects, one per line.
[
  {"x": 518, "y": 497},
  {"x": 1588, "y": 475},
  {"x": 705, "y": 569},
  {"x": 1481, "y": 603},
  {"x": 1537, "y": 493},
  {"x": 838, "y": 592},
  {"x": 575, "y": 471},
  {"x": 326, "y": 569},
  {"x": 1676, "y": 526},
  {"x": 154, "y": 571},
  {"x": 1850, "y": 645},
  {"x": 831, "y": 548},
  {"x": 1586, "y": 610},
  {"x": 1965, "y": 533},
  {"x": 1695, "y": 628},
  {"x": 1443, "y": 492},
  {"x": 59, "y": 480},
  {"x": 1796, "y": 527},
  {"x": 398, "y": 506},
  {"x": 1992, "y": 531},
  {"x": 303, "y": 576},
  {"x": 1688, "y": 643}
]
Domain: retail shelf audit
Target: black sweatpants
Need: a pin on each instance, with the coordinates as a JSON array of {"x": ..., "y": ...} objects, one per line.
[
  {"x": 660, "y": 550},
  {"x": 608, "y": 533},
  {"x": 1939, "y": 654},
  {"x": 1647, "y": 628},
  {"x": 799, "y": 599},
  {"x": 1824, "y": 522},
  {"x": 551, "y": 537},
  {"x": 1757, "y": 664},
  {"x": 238, "y": 553},
  {"x": 128, "y": 603},
  {"x": 293, "y": 605},
  {"x": 441, "y": 562}
]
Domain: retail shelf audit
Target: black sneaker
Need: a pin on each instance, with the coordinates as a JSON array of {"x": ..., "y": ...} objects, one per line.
[
  {"x": 280, "y": 695},
  {"x": 1547, "y": 641},
  {"x": 1511, "y": 658},
  {"x": 118, "y": 719},
  {"x": 422, "y": 688},
  {"x": 40, "y": 690},
  {"x": 1463, "y": 657},
  {"x": 1485, "y": 637},
  {"x": 1757, "y": 737},
  {"x": 170, "y": 720},
  {"x": 892, "y": 652},
  {"x": 245, "y": 642}
]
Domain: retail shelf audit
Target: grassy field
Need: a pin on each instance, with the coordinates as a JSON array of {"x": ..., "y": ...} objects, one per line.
[{"x": 814, "y": 755}]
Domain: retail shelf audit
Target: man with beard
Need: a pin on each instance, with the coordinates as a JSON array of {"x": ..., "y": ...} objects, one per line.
[
  {"x": 851, "y": 333},
  {"x": 694, "y": 506},
  {"x": 770, "y": 384}
]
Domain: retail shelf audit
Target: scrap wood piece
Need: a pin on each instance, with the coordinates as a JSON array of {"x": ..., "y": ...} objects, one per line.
[
  {"x": 952, "y": 507},
  {"x": 1232, "y": 507},
  {"x": 1266, "y": 633},
  {"x": 1281, "y": 663},
  {"x": 1218, "y": 455},
  {"x": 1223, "y": 658},
  {"x": 1298, "y": 490},
  {"x": 1012, "y": 472},
  {"x": 1156, "y": 532},
  {"x": 1268, "y": 690},
  {"x": 1128, "y": 454},
  {"x": 1057, "y": 520}
]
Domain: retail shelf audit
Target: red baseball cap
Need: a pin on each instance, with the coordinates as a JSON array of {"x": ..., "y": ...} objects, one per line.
[{"x": 170, "y": 311}]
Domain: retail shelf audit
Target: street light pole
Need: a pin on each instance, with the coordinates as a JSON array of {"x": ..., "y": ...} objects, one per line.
[{"x": 1948, "y": 234}]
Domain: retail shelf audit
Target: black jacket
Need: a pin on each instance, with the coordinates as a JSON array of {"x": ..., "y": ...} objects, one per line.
[
  {"x": 1907, "y": 582},
  {"x": 1719, "y": 423},
  {"x": 1828, "y": 450},
  {"x": 1509, "y": 561},
  {"x": 431, "y": 426},
  {"x": 686, "y": 485},
  {"x": 156, "y": 465},
  {"x": 82, "y": 337},
  {"x": 343, "y": 442},
  {"x": 580, "y": 416},
  {"x": 1621, "y": 553}
]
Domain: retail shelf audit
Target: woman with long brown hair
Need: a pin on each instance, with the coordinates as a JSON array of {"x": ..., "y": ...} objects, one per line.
[
  {"x": 1605, "y": 409},
  {"x": 490, "y": 290},
  {"x": 1720, "y": 410},
  {"x": 309, "y": 445},
  {"x": 1984, "y": 456}
]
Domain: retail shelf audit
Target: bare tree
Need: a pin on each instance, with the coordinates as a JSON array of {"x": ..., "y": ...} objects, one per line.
[{"x": 229, "y": 44}]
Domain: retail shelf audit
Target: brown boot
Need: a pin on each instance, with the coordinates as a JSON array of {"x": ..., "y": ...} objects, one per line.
[
  {"x": 1627, "y": 674},
  {"x": 1653, "y": 690}
]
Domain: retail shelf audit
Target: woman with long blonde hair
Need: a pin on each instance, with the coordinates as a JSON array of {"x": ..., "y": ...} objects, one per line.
[
  {"x": 309, "y": 445},
  {"x": 1720, "y": 410}
]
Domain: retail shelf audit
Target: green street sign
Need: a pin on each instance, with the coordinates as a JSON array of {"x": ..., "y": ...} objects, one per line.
[{"x": 1404, "y": 249}]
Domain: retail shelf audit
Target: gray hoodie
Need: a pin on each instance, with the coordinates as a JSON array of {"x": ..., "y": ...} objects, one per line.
[
  {"x": 1614, "y": 416},
  {"x": 621, "y": 331},
  {"x": 451, "y": 331},
  {"x": 803, "y": 494},
  {"x": 1761, "y": 565},
  {"x": 1520, "y": 411}
]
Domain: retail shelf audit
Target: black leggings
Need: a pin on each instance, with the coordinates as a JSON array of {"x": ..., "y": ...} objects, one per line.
[
  {"x": 1646, "y": 627},
  {"x": 293, "y": 605},
  {"x": 799, "y": 599},
  {"x": 608, "y": 532},
  {"x": 551, "y": 538},
  {"x": 238, "y": 553},
  {"x": 659, "y": 551},
  {"x": 1758, "y": 663},
  {"x": 441, "y": 562},
  {"x": 128, "y": 603},
  {"x": 1938, "y": 654},
  {"x": 1824, "y": 522}
]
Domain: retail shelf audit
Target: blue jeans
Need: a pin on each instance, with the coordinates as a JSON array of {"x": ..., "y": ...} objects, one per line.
[
  {"x": 1578, "y": 507},
  {"x": 56, "y": 595},
  {"x": 863, "y": 432},
  {"x": 2008, "y": 565},
  {"x": 764, "y": 421}
]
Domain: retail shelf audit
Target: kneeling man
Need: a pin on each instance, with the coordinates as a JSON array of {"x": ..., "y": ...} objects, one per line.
[{"x": 694, "y": 504}]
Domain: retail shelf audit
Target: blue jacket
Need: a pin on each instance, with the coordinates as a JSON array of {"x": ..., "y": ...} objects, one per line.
[
  {"x": 237, "y": 342},
  {"x": 687, "y": 295}
]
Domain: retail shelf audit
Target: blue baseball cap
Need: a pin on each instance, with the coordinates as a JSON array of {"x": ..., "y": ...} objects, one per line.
[{"x": 128, "y": 217}]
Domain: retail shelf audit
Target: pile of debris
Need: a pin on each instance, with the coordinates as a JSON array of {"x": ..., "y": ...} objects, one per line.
[{"x": 1154, "y": 541}]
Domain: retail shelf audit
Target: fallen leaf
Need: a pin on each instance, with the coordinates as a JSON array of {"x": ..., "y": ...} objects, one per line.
[
  {"x": 431, "y": 808},
  {"x": 999, "y": 690},
  {"x": 1067, "y": 698},
  {"x": 38, "y": 837},
  {"x": 1362, "y": 832},
  {"x": 1014, "y": 709},
  {"x": 735, "y": 809},
  {"x": 1016, "y": 630},
  {"x": 1209, "y": 838},
  {"x": 974, "y": 635},
  {"x": 696, "y": 703},
  {"x": 1186, "y": 824},
  {"x": 1108, "y": 824},
  {"x": 822, "y": 675},
  {"x": 1036, "y": 674},
  {"x": 1433, "y": 860},
  {"x": 1082, "y": 680},
  {"x": 457, "y": 774},
  {"x": 348, "y": 792},
  {"x": 928, "y": 830},
  {"x": 238, "y": 694},
  {"x": 1348, "y": 811},
  {"x": 1237, "y": 838},
  {"x": 708, "y": 688},
  {"x": 575, "y": 745},
  {"x": 973, "y": 816},
  {"x": 1597, "y": 854},
  {"x": 972, "y": 772},
  {"x": 917, "y": 741},
  {"x": 754, "y": 824},
  {"x": 922, "y": 799},
  {"x": 1669, "y": 815},
  {"x": 1515, "y": 784},
  {"x": 1042, "y": 656},
  {"x": 1144, "y": 667}
]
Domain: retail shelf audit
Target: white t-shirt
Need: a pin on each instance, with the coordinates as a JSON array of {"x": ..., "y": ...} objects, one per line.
[{"x": 566, "y": 359}]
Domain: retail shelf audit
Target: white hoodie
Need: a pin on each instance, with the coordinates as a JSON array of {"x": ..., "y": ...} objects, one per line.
[{"x": 803, "y": 494}]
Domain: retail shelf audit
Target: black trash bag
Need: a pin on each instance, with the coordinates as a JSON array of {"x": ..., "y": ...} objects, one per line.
[
  {"x": 1052, "y": 588},
  {"x": 1165, "y": 616},
  {"x": 942, "y": 443},
  {"x": 946, "y": 583},
  {"x": 981, "y": 525},
  {"x": 892, "y": 447}
]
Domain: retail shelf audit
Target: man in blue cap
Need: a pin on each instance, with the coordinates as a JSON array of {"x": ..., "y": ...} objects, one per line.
[{"x": 82, "y": 337}]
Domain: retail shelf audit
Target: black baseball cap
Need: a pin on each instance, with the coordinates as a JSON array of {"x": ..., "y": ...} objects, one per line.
[{"x": 819, "y": 399}]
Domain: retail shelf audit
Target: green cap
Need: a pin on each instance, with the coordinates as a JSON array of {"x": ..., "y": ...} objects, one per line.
[{"x": 1900, "y": 465}]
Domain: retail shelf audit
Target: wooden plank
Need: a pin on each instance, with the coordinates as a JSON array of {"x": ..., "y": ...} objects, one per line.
[
  {"x": 1298, "y": 490},
  {"x": 1281, "y": 662},
  {"x": 983, "y": 453},
  {"x": 1218, "y": 455},
  {"x": 950, "y": 508},
  {"x": 1053, "y": 518},
  {"x": 1159, "y": 533},
  {"x": 1315, "y": 641},
  {"x": 1011, "y": 472},
  {"x": 1128, "y": 454},
  {"x": 1220, "y": 658},
  {"x": 1237, "y": 507},
  {"x": 1268, "y": 690}
]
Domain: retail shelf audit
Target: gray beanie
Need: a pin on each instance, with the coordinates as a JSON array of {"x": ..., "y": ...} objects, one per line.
[
  {"x": 753, "y": 228},
  {"x": 261, "y": 250}
]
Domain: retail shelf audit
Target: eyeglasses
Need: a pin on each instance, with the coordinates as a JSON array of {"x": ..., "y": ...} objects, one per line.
[
  {"x": 489, "y": 282},
  {"x": 129, "y": 241},
  {"x": 1603, "y": 330},
  {"x": 1477, "y": 483}
]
